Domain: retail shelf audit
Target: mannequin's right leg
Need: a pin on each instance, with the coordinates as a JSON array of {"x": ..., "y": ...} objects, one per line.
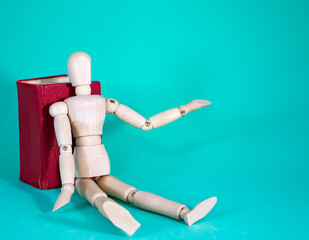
[
  {"x": 154, "y": 203},
  {"x": 118, "y": 215}
]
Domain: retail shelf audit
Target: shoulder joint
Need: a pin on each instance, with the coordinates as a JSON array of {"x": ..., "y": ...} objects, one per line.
[{"x": 58, "y": 108}]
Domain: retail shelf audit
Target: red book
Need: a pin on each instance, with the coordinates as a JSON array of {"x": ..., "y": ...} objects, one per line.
[{"x": 39, "y": 151}]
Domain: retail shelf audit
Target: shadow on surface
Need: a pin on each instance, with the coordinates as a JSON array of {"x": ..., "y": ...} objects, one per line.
[
  {"x": 41, "y": 198},
  {"x": 90, "y": 220}
]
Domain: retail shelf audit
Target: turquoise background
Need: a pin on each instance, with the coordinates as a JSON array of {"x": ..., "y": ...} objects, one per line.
[{"x": 249, "y": 148}]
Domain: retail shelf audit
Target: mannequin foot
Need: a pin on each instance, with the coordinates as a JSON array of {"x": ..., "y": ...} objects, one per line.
[
  {"x": 200, "y": 211},
  {"x": 118, "y": 215}
]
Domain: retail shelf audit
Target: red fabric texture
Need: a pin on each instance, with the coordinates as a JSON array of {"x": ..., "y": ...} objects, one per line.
[{"x": 39, "y": 151}]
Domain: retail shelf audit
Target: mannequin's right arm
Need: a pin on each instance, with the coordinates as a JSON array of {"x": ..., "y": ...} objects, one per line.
[{"x": 62, "y": 127}]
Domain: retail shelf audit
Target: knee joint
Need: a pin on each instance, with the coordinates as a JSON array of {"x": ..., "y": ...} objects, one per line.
[{"x": 130, "y": 196}]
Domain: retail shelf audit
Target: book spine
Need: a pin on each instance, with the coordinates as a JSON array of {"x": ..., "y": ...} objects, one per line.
[{"x": 29, "y": 132}]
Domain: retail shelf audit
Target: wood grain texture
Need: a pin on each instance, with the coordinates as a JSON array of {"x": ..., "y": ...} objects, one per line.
[
  {"x": 88, "y": 189},
  {"x": 197, "y": 104},
  {"x": 63, "y": 130},
  {"x": 79, "y": 68},
  {"x": 91, "y": 161},
  {"x": 115, "y": 188},
  {"x": 157, "y": 204},
  {"x": 87, "y": 114},
  {"x": 88, "y": 140},
  {"x": 82, "y": 90},
  {"x": 58, "y": 108},
  {"x": 118, "y": 215},
  {"x": 67, "y": 168},
  {"x": 200, "y": 211},
  {"x": 129, "y": 116},
  {"x": 65, "y": 196},
  {"x": 165, "y": 117}
]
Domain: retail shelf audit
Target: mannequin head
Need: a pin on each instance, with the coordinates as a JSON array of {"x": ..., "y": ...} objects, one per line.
[{"x": 79, "y": 68}]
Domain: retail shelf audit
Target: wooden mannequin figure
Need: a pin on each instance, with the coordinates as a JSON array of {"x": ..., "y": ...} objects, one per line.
[{"x": 84, "y": 115}]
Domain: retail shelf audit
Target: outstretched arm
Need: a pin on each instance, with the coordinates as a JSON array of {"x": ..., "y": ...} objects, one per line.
[
  {"x": 131, "y": 117},
  {"x": 62, "y": 127}
]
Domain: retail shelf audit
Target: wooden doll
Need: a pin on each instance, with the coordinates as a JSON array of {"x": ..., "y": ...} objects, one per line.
[{"x": 84, "y": 115}]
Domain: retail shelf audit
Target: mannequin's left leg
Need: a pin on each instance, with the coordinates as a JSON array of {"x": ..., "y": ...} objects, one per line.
[{"x": 154, "y": 203}]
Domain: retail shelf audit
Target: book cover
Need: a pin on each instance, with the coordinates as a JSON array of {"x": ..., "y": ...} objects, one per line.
[{"x": 39, "y": 151}]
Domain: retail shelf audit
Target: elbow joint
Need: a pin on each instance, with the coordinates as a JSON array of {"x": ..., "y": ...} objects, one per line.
[
  {"x": 183, "y": 110},
  {"x": 65, "y": 148},
  {"x": 147, "y": 125}
]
